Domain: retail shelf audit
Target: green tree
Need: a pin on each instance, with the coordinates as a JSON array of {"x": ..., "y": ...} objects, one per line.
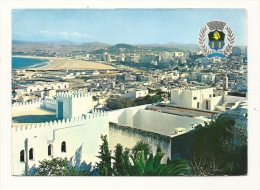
[
  {"x": 142, "y": 146},
  {"x": 236, "y": 150},
  {"x": 139, "y": 163},
  {"x": 122, "y": 165},
  {"x": 58, "y": 167},
  {"x": 219, "y": 148},
  {"x": 154, "y": 167},
  {"x": 104, "y": 165},
  {"x": 208, "y": 139},
  {"x": 119, "y": 103}
]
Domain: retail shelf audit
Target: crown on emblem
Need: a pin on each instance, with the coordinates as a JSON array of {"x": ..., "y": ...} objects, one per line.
[{"x": 216, "y": 25}]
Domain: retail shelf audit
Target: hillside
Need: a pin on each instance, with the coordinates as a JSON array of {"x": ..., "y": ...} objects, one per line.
[
  {"x": 98, "y": 47},
  {"x": 147, "y": 48},
  {"x": 59, "y": 47}
]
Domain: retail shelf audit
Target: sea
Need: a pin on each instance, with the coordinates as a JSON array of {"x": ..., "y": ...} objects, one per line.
[{"x": 28, "y": 63}]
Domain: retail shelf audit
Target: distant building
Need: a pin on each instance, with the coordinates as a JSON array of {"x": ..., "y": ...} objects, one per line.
[
  {"x": 200, "y": 98},
  {"x": 136, "y": 94},
  {"x": 178, "y": 54},
  {"x": 207, "y": 77},
  {"x": 236, "y": 51},
  {"x": 148, "y": 58},
  {"x": 38, "y": 87},
  {"x": 132, "y": 58}
]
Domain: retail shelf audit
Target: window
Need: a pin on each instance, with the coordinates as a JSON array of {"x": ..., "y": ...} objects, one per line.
[
  {"x": 63, "y": 146},
  {"x": 194, "y": 98},
  {"x": 65, "y": 86},
  {"x": 50, "y": 147},
  {"x": 210, "y": 95},
  {"x": 31, "y": 154},
  {"x": 207, "y": 105},
  {"x": 58, "y": 87},
  {"x": 214, "y": 95},
  {"x": 22, "y": 156},
  {"x": 198, "y": 105}
]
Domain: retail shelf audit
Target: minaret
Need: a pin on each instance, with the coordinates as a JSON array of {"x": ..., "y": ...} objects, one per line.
[{"x": 225, "y": 85}]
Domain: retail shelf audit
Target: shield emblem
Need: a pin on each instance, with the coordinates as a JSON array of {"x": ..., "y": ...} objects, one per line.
[{"x": 216, "y": 40}]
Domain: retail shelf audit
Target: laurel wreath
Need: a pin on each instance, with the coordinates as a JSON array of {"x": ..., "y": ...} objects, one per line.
[
  {"x": 202, "y": 38},
  {"x": 204, "y": 47},
  {"x": 231, "y": 39}
]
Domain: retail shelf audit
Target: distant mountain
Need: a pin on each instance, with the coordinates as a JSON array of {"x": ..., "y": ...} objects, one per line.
[
  {"x": 18, "y": 42},
  {"x": 146, "y": 48},
  {"x": 67, "y": 46},
  {"x": 64, "y": 42},
  {"x": 58, "y": 46}
]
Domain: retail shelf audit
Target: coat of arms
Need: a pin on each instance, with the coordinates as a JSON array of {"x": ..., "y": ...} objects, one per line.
[{"x": 216, "y": 39}]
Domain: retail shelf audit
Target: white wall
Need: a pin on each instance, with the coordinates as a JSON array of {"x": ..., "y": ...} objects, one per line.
[
  {"x": 163, "y": 123},
  {"x": 136, "y": 94},
  {"x": 128, "y": 137},
  {"x": 27, "y": 105},
  {"x": 234, "y": 98},
  {"x": 185, "y": 98},
  {"x": 81, "y": 132},
  {"x": 74, "y": 103},
  {"x": 215, "y": 101},
  {"x": 127, "y": 118},
  {"x": 50, "y": 104}
]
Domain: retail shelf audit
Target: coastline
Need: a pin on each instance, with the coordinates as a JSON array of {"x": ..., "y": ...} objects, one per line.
[{"x": 56, "y": 63}]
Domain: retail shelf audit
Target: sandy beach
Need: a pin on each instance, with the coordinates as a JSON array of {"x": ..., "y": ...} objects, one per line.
[{"x": 70, "y": 64}]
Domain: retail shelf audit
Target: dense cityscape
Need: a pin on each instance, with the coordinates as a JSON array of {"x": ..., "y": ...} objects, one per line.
[{"x": 133, "y": 96}]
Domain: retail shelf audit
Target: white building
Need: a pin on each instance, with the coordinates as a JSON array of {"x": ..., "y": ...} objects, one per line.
[
  {"x": 136, "y": 94},
  {"x": 204, "y": 98},
  {"x": 207, "y": 77},
  {"x": 77, "y": 136},
  {"x": 201, "y": 98},
  {"x": 72, "y": 104},
  {"x": 41, "y": 87}
]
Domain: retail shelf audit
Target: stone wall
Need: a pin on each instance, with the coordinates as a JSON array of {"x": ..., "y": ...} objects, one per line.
[{"x": 128, "y": 137}]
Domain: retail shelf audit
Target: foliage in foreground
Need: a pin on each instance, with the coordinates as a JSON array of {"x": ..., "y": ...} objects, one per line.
[
  {"x": 58, "y": 167},
  {"x": 138, "y": 163},
  {"x": 219, "y": 148}
]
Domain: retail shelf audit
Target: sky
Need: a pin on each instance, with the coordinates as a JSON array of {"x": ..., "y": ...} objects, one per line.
[{"x": 132, "y": 26}]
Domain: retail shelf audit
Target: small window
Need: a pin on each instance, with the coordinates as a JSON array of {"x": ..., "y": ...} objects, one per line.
[
  {"x": 63, "y": 146},
  {"x": 214, "y": 95},
  {"x": 50, "y": 147},
  {"x": 194, "y": 98},
  {"x": 22, "y": 156},
  {"x": 31, "y": 154},
  {"x": 210, "y": 95},
  {"x": 58, "y": 87},
  {"x": 65, "y": 86}
]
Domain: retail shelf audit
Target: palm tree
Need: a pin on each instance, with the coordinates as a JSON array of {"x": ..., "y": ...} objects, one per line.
[
  {"x": 153, "y": 166},
  {"x": 141, "y": 146}
]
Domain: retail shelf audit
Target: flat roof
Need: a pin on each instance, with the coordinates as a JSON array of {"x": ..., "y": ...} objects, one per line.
[{"x": 190, "y": 110}]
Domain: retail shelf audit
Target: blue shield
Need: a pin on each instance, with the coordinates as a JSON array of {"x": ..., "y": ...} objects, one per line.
[
  {"x": 216, "y": 44},
  {"x": 216, "y": 40}
]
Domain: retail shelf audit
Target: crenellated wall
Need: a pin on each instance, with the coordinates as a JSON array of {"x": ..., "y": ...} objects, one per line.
[
  {"x": 81, "y": 134},
  {"x": 50, "y": 104},
  {"x": 73, "y": 103},
  {"x": 27, "y": 105}
]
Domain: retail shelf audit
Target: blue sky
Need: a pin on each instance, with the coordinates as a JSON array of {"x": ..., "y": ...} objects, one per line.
[{"x": 133, "y": 26}]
